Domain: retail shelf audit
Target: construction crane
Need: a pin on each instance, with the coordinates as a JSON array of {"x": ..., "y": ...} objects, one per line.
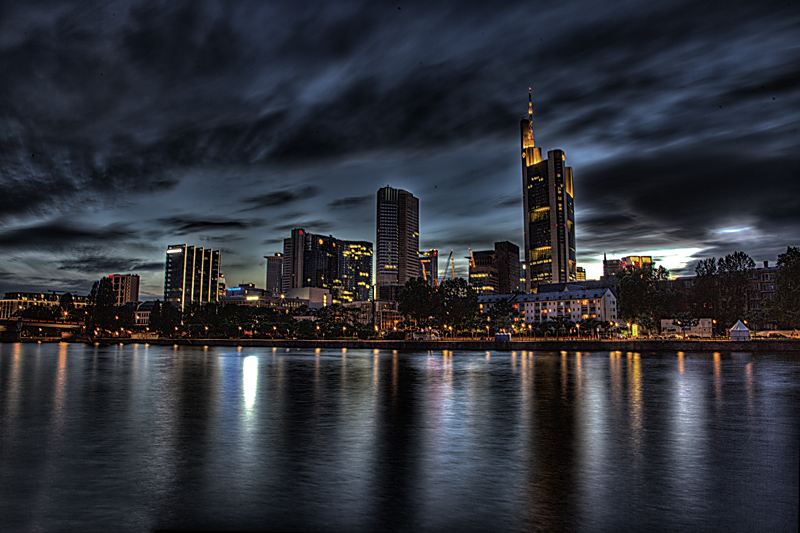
[
  {"x": 471, "y": 258},
  {"x": 447, "y": 264}
]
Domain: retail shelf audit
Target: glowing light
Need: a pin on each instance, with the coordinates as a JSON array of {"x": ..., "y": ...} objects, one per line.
[{"x": 250, "y": 380}]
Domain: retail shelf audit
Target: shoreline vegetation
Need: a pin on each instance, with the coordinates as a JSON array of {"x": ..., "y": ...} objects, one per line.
[{"x": 540, "y": 345}]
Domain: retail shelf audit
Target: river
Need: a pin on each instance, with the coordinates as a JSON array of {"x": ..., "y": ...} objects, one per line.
[{"x": 143, "y": 438}]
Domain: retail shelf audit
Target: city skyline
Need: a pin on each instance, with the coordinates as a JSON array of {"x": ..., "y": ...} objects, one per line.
[{"x": 132, "y": 126}]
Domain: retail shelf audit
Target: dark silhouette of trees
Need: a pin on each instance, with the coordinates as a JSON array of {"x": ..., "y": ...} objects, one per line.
[
  {"x": 785, "y": 308},
  {"x": 643, "y": 296}
]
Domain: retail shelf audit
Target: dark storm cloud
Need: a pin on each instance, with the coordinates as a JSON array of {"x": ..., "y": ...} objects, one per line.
[
  {"x": 350, "y": 202},
  {"x": 59, "y": 234},
  {"x": 662, "y": 105},
  {"x": 182, "y": 225},
  {"x": 314, "y": 226},
  {"x": 279, "y": 198},
  {"x": 107, "y": 265}
]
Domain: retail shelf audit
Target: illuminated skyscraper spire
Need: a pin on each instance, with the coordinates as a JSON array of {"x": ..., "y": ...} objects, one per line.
[
  {"x": 549, "y": 211},
  {"x": 530, "y": 116}
]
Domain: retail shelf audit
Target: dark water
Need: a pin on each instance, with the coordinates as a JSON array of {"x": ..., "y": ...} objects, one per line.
[{"x": 147, "y": 438}]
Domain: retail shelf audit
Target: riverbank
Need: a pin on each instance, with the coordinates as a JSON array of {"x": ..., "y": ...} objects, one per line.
[{"x": 570, "y": 345}]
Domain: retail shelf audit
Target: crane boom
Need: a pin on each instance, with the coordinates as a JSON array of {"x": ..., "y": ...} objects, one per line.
[{"x": 447, "y": 264}]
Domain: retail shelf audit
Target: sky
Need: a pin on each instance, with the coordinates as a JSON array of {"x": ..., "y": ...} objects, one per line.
[{"x": 129, "y": 126}]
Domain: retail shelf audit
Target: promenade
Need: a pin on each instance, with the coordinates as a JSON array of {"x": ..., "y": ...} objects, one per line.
[{"x": 570, "y": 345}]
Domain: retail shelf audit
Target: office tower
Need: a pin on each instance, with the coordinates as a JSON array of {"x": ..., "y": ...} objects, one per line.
[
  {"x": 293, "y": 248},
  {"x": 495, "y": 271},
  {"x": 356, "y": 273},
  {"x": 549, "y": 210},
  {"x": 506, "y": 260},
  {"x": 126, "y": 288},
  {"x": 429, "y": 266},
  {"x": 324, "y": 262},
  {"x": 397, "y": 243},
  {"x": 482, "y": 272},
  {"x": 191, "y": 275},
  {"x": 274, "y": 273},
  {"x": 580, "y": 274}
]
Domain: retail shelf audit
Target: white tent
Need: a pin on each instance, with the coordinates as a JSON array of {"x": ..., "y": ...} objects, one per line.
[{"x": 739, "y": 332}]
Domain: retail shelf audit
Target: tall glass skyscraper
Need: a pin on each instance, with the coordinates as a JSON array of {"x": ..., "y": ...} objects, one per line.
[
  {"x": 397, "y": 242},
  {"x": 191, "y": 275},
  {"x": 549, "y": 211}
]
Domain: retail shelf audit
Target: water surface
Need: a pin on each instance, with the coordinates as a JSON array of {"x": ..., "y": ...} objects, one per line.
[{"x": 148, "y": 437}]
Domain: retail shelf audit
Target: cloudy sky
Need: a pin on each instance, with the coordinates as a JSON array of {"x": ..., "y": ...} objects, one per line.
[{"x": 129, "y": 126}]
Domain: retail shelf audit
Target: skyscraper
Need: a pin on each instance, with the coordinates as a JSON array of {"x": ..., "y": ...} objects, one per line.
[
  {"x": 495, "y": 271},
  {"x": 549, "y": 211},
  {"x": 191, "y": 275},
  {"x": 397, "y": 242},
  {"x": 429, "y": 266},
  {"x": 274, "y": 273},
  {"x": 324, "y": 262}
]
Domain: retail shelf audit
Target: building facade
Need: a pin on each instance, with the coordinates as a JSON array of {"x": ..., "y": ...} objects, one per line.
[
  {"x": 429, "y": 266},
  {"x": 191, "y": 275},
  {"x": 126, "y": 288},
  {"x": 495, "y": 271},
  {"x": 344, "y": 268},
  {"x": 397, "y": 240},
  {"x": 18, "y": 301},
  {"x": 575, "y": 305},
  {"x": 549, "y": 211},
  {"x": 274, "y": 273}
]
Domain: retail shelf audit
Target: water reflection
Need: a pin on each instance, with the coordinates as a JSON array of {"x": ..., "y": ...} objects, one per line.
[{"x": 146, "y": 437}]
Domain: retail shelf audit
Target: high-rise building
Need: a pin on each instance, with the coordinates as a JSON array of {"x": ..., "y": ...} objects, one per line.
[
  {"x": 549, "y": 210},
  {"x": 356, "y": 273},
  {"x": 397, "y": 242},
  {"x": 126, "y": 288},
  {"x": 429, "y": 266},
  {"x": 324, "y": 262},
  {"x": 274, "y": 273},
  {"x": 506, "y": 260},
  {"x": 483, "y": 272},
  {"x": 191, "y": 275},
  {"x": 611, "y": 266},
  {"x": 495, "y": 271},
  {"x": 293, "y": 249}
]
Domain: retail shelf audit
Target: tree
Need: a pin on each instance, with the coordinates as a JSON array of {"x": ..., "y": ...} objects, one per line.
[
  {"x": 419, "y": 302},
  {"x": 785, "y": 308},
  {"x": 67, "y": 304},
  {"x": 502, "y": 315},
  {"x": 643, "y": 295},
  {"x": 705, "y": 290},
  {"x": 458, "y": 304},
  {"x": 39, "y": 312},
  {"x": 164, "y": 318},
  {"x": 101, "y": 310},
  {"x": 734, "y": 271}
]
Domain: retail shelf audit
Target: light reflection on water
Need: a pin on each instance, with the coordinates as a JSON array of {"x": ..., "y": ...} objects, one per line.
[{"x": 146, "y": 437}]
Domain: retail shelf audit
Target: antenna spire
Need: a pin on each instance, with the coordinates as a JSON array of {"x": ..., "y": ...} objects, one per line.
[{"x": 530, "y": 105}]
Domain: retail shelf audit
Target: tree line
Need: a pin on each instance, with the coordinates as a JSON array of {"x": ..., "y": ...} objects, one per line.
[{"x": 720, "y": 290}]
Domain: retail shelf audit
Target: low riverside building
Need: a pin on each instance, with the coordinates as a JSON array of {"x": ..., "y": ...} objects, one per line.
[
  {"x": 703, "y": 328},
  {"x": 17, "y": 301},
  {"x": 249, "y": 295},
  {"x": 576, "y": 305}
]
